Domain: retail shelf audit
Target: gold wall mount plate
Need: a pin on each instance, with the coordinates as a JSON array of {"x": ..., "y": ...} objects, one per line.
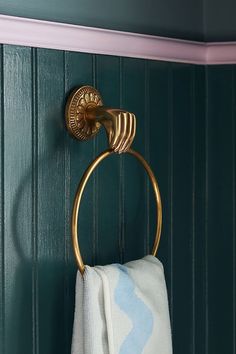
[{"x": 78, "y": 104}]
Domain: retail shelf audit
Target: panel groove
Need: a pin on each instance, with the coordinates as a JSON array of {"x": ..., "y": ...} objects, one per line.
[
  {"x": 18, "y": 193},
  {"x": 2, "y": 243},
  {"x": 170, "y": 183},
  {"x": 206, "y": 211},
  {"x": 35, "y": 349},
  {"x": 95, "y": 175},
  {"x": 233, "y": 207},
  {"x": 51, "y": 203},
  {"x": 147, "y": 156},
  {"x": 121, "y": 179},
  {"x": 193, "y": 93},
  {"x": 67, "y": 238}
]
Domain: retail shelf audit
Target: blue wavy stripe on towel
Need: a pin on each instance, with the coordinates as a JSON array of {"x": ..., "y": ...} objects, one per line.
[{"x": 136, "y": 310}]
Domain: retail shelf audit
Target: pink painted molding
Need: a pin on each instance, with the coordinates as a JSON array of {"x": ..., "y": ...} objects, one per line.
[
  {"x": 221, "y": 53},
  {"x": 55, "y": 35}
]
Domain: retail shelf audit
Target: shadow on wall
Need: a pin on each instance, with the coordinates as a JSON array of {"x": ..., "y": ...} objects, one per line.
[
  {"x": 41, "y": 303},
  {"x": 43, "y": 287}
]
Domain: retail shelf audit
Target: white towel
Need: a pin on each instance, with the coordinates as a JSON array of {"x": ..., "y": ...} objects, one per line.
[{"x": 122, "y": 309}]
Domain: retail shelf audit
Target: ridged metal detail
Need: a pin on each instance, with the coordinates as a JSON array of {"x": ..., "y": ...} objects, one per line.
[{"x": 76, "y": 112}]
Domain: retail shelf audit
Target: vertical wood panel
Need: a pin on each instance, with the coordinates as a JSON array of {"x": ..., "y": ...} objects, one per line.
[
  {"x": 108, "y": 80},
  {"x": 234, "y": 205},
  {"x": 160, "y": 104},
  {"x": 220, "y": 226},
  {"x": 94, "y": 180},
  {"x": 135, "y": 199},
  {"x": 2, "y": 255},
  {"x": 199, "y": 266},
  {"x": 121, "y": 207},
  {"x": 78, "y": 72},
  {"x": 51, "y": 184},
  {"x": 170, "y": 185},
  {"x": 182, "y": 208},
  {"x": 147, "y": 156},
  {"x": 206, "y": 213},
  {"x": 17, "y": 195},
  {"x": 35, "y": 308},
  {"x": 193, "y": 117}
]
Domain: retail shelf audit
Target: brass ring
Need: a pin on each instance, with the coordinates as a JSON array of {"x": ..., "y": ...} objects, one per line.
[{"x": 79, "y": 194}]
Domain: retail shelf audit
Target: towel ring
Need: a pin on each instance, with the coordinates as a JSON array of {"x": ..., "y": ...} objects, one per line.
[{"x": 80, "y": 191}]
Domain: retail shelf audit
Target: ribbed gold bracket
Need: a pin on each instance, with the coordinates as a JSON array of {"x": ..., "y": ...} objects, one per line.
[{"x": 85, "y": 114}]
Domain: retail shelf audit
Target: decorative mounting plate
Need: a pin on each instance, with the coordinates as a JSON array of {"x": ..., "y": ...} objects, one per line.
[{"x": 77, "y": 105}]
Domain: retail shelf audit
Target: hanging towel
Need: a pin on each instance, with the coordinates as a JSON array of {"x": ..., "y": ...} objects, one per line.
[{"x": 122, "y": 309}]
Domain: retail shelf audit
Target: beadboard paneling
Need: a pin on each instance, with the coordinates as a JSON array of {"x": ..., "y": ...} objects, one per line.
[
  {"x": 221, "y": 208},
  {"x": 50, "y": 186},
  {"x": 17, "y": 199},
  {"x": 185, "y": 129},
  {"x": 199, "y": 200}
]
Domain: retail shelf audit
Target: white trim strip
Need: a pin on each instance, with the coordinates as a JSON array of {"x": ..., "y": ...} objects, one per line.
[{"x": 55, "y": 35}]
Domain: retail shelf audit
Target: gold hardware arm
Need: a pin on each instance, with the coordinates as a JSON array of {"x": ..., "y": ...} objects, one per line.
[
  {"x": 85, "y": 114},
  {"x": 120, "y": 126}
]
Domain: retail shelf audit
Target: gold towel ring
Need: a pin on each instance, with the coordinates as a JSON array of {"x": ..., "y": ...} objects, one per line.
[{"x": 79, "y": 194}]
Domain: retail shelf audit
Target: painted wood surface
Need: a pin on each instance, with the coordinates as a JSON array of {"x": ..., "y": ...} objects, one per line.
[
  {"x": 220, "y": 227},
  {"x": 185, "y": 129}
]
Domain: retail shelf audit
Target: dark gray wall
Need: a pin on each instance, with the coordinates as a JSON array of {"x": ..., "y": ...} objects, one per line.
[{"x": 182, "y": 18}]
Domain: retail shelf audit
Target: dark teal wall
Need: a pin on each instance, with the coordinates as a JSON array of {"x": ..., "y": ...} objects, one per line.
[
  {"x": 181, "y": 19},
  {"x": 220, "y": 20},
  {"x": 201, "y": 20},
  {"x": 220, "y": 212},
  {"x": 185, "y": 129},
  {"x": 41, "y": 166}
]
